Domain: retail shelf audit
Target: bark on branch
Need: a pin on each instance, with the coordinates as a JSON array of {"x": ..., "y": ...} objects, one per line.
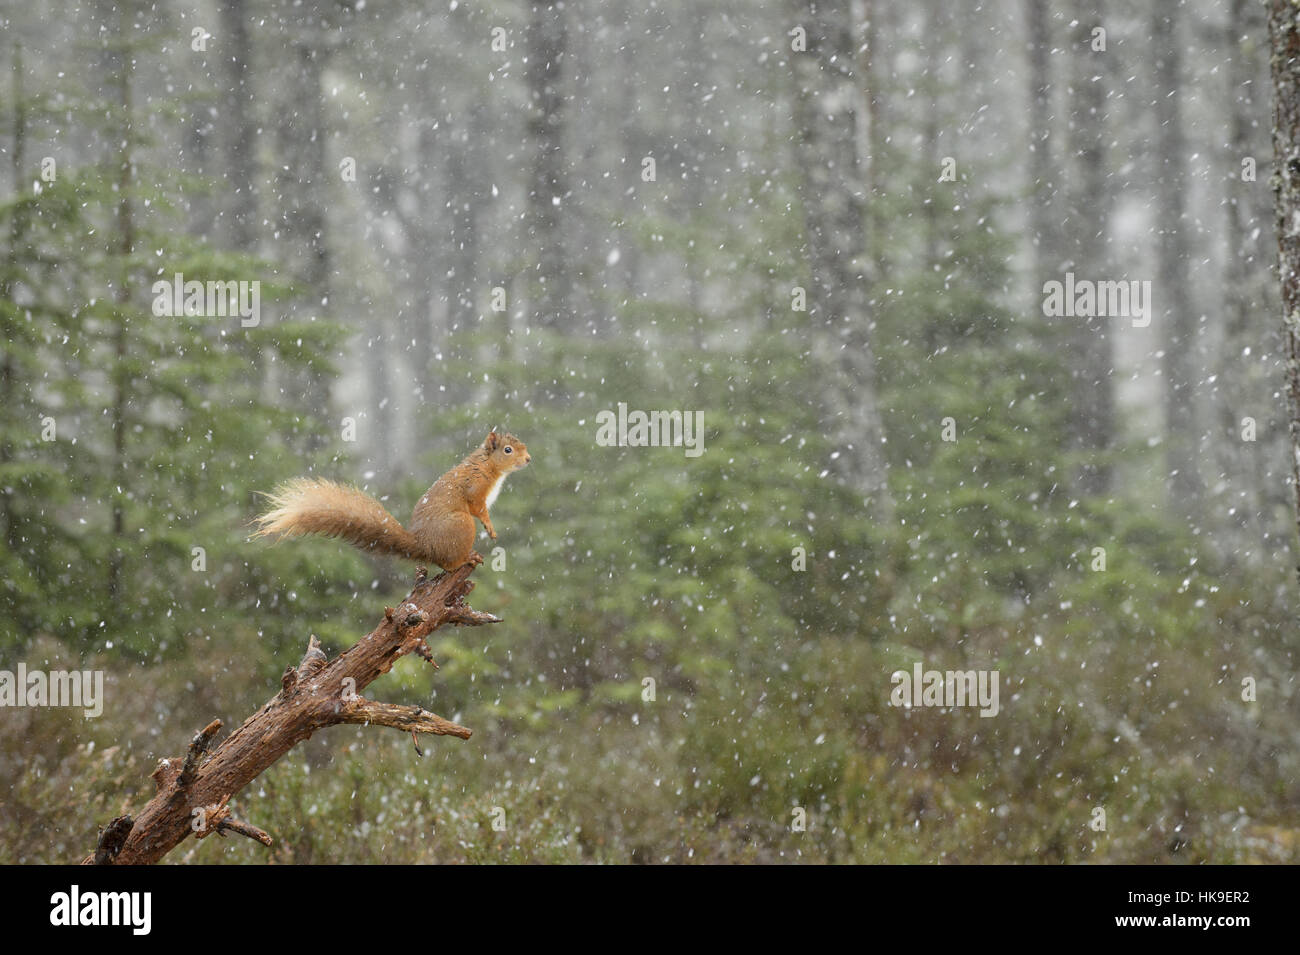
[{"x": 192, "y": 792}]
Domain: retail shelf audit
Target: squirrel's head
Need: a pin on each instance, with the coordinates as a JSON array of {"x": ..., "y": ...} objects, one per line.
[{"x": 506, "y": 451}]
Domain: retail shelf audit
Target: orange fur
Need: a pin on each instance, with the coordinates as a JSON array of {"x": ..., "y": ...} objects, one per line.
[
  {"x": 315, "y": 506},
  {"x": 442, "y": 527}
]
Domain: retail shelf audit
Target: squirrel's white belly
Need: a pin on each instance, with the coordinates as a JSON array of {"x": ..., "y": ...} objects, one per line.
[{"x": 494, "y": 491}]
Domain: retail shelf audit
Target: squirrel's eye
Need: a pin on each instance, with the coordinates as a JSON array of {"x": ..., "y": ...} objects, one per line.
[{"x": 509, "y": 450}]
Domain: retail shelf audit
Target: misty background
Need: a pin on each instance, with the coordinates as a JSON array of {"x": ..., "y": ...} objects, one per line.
[{"x": 827, "y": 228}]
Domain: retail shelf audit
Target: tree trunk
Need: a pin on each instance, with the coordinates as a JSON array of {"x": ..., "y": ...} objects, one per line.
[
  {"x": 467, "y": 192},
  {"x": 302, "y": 182},
  {"x": 1284, "y": 37},
  {"x": 549, "y": 290},
  {"x": 1042, "y": 185},
  {"x": 873, "y": 64},
  {"x": 121, "y": 374},
  {"x": 239, "y": 127},
  {"x": 17, "y": 232},
  {"x": 1239, "y": 391},
  {"x": 1180, "y": 364},
  {"x": 1093, "y": 404},
  {"x": 833, "y": 198}
]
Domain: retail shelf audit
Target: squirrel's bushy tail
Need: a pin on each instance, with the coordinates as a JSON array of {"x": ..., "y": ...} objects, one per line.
[{"x": 315, "y": 506}]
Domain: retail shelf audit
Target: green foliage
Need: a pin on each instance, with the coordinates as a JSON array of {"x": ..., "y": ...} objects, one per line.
[
  {"x": 764, "y": 601},
  {"x": 133, "y": 440}
]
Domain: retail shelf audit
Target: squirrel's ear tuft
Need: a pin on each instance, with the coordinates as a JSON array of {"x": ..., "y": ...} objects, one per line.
[{"x": 492, "y": 440}]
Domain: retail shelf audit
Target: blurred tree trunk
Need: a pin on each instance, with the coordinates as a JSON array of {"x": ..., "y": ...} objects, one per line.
[
  {"x": 632, "y": 146},
  {"x": 832, "y": 194},
  {"x": 302, "y": 181},
  {"x": 120, "y": 374},
  {"x": 464, "y": 194},
  {"x": 1284, "y": 36},
  {"x": 8, "y": 288},
  {"x": 1238, "y": 389},
  {"x": 547, "y": 187},
  {"x": 238, "y": 199},
  {"x": 430, "y": 267},
  {"x": 933, "y": 95},
  {"x": 1179, "y": 366},
  {"x": 1042, "y": 185},
  {"x": 1088, "y": 223},
  {"x": 201, "y": 208},
  {"x": 239, "y": 126},
  {"x": 873, "y": 66},
  {"x": 694, "y": 153}
]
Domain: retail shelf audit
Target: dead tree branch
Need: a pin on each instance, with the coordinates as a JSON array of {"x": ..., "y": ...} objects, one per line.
[{"x": 192, "y": 793}]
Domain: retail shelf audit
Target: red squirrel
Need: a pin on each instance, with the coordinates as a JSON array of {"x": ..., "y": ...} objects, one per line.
[{"x": 442, "y": 528}]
